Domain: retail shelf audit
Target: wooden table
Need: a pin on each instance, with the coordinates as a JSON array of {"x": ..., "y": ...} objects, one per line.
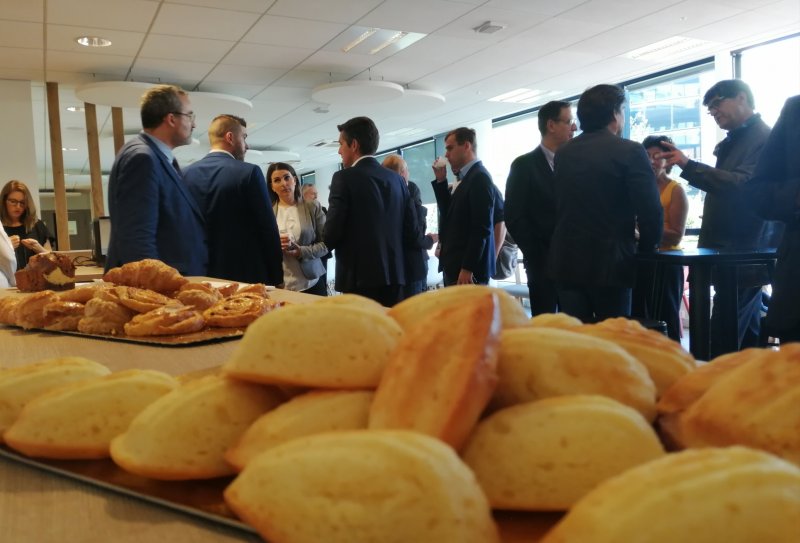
[
  {"x": 88, "y": 273},
  {"x": 725, "y": 263}
]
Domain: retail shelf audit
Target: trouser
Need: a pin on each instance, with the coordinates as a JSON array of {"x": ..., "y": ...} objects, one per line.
[
  {"x": 415, "y": 287},
  {"x": 387, "y": 295},
  {"x": 542, "y": 290},
  {"x": 450, "y": 280},
  {"x": 320, "y": 288},
  {"x": 748, "y": 316},
  {"x": 591, "y": 304},
  {"x": 664, "y": 305}
]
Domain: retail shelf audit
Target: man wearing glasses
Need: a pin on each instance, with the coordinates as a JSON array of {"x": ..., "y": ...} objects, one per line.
[
  {"x": 153, "y": 215},
  {"x": 728, "y": 218}
]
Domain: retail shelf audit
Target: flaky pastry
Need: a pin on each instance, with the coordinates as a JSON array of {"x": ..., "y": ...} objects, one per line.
[
  {"x": 238, "y": 310},
  {"x": 8, "y": 309},
  {"x": 255, "y": 288},
  {"x": 62, "y": 315},
  {"x": 164, "y": 321},
  {"x": 30, "y": 310},
  {"x": 104, "y": 317},
  {"x": 141, "y": 300},
  {"x": 147, "y": 273},
  {"x": 201, "y": 296},
  {"x": 83, "y": 294}
]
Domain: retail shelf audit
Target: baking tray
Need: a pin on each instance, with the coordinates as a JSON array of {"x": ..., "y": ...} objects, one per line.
[{"x": 203, "y": 337}]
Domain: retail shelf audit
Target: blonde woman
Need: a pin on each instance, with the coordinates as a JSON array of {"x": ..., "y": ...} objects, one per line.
[
  {"x": 28, "y": 234},
  {"x": 301, "y": 225}
]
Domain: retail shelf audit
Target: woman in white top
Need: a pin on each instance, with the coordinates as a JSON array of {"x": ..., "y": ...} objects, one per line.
[
  {"x": 301, "y": 225},
  {"x": 8, "y": 261}
]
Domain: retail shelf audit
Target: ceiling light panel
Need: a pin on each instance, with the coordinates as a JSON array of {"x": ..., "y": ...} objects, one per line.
[
  {"x": 668, "y": 48},
  {"x": 373, "y": 41}
]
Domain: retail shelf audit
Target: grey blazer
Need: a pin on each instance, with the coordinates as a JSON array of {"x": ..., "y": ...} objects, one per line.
[{"x": 312, "y": 248}]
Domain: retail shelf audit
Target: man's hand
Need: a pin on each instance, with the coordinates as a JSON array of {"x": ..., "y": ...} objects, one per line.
[
  {"x": 440, "y": 173},
  {"x": 674, "y": 156},
  {"x": 434, "y": 237},
  {"x": 465, "y": 277}
]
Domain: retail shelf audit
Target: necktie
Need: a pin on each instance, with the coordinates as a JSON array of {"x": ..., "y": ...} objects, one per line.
[
  {"x": 177, "y": 168},
  {"x": 456, "y": 182}
]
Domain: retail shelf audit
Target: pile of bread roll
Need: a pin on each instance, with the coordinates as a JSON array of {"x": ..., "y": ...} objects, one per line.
[
  {"x": 143, "y": 298},
  {"x": 414, "y": 424}
]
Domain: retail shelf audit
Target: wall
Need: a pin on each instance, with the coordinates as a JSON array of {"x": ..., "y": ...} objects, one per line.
[{"x": 17, "y": 145}]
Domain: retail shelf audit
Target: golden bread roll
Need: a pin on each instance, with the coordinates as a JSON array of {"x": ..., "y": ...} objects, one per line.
[
  {"x": 353, "y": 299},
  {"x": 311, "y": 413},
  {"x": 542, "y": 362},
  {"x": 166, "y": 320},
  {"x": 20, "y": 385},
  {"x": 687, "y": 389},
  {"x": 733, "y": 495},
  {"x": 62, "y": 315},
  {"x": 442, "y": 373},
  {"x": 414, "y": 309},
  {"x": 79, "y": 420},
  {"x": 348, "y": 349},
  {"x": 8, "y": 309},
  {"x": 379, "y": 486},
  {"x": 555, "y": 320},
  {"x": 756, "y": 404},
  {"x": 29, "y": 312},
  {"x": 664, "y": 358},
  {"x": 545, "y": 455},
  {"x": 101, "y": 316},
  {"x": 148, "y": 273},
  {"x": 184, "y": 434}
]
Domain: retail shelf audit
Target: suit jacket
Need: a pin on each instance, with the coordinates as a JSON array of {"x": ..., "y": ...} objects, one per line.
[
  {"x": 312, "y": 228},
  {"x": 153, "y": 215},
  {"x": 531, "y": 206},
  {"x": 243, "y": 240},
  {"x": 604, "y": 186},
  {"x": 466, "y": 229},
  {"x": 370, "y": 224},
  {"x": 775, "y": 191},
  {"x": 417, "y": 257}
]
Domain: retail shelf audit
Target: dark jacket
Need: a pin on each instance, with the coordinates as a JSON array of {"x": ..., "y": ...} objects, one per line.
[{"x": 417, "y": 257}]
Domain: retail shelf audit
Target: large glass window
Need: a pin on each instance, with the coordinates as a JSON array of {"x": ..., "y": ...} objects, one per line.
[
  {"x": 772, "y": 72},
  {"x": 419, "y": 158}
]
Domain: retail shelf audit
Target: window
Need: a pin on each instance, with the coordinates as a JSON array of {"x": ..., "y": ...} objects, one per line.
[
  {"x": 309, "y": 178},
  {"x": 767, "y": 68}
]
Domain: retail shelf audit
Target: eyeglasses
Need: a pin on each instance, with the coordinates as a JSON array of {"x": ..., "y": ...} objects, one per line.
[
  {"x": 20, "y": 203},
  {"x": 191, "y": 114},
  {"x": 568, "y": 122},
  {"x": 714, "y": 104}
]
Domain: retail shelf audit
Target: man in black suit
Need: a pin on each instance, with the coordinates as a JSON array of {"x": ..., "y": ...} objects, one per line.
[
  {"x": 466, "y": 228},
  {"x": 243, "y": 240},
  {"x": 531, "y": 203},
  {"x": 604, "y": 188},
  {"x": 371, "y": 218}
]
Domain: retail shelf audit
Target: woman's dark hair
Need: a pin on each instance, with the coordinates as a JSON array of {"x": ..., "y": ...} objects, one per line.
[
  {"x": 282, "y": 166},
  {"x": 658, "y": 141},
  {"x": 597, "y": 106},
  {"x": 28, "y": 217}
]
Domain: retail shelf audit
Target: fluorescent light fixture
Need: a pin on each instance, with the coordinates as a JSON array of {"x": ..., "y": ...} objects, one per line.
[
  {"x": 69, "y": 148},
  {"x": 667, "y": 48},
  {"x": 522, "y": 96},
  {"x": 366, "y": 34},
  {"x": 404, "y": 132},
  {"x": 76, "y": 109},
  {"x": 397, "y": 36},
  {"x": 93, "y": 41}
]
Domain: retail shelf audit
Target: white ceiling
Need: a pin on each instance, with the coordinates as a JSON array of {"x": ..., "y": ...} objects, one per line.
[{"x": 273, "y": 52}]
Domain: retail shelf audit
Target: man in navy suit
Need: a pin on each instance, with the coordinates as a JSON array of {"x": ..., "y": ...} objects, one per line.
[
  {"x": 371, "y": 219},
  {"x": 152, "y": 213},
  {"x": 243, "y": 240},
  {"x": 531, "y": 202},
  {"x": 466, "y": 229}
]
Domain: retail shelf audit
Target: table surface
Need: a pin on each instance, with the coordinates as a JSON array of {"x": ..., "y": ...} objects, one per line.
[{"x": 711, "y": 256}]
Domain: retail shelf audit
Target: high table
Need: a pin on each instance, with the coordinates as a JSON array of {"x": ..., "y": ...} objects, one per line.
[{"x": 725, "y": 263}]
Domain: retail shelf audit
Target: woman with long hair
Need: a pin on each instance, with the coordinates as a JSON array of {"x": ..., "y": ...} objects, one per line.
[
  {"x": 301, "y": 225},
  {"x": 28, "y": 234}
]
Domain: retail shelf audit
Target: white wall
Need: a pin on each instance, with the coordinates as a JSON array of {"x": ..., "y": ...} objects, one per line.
[{"x": 17, "y": 146}]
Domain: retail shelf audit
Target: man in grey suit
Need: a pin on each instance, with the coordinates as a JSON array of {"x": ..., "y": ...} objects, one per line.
[
  {"x": 530, "y": 209},
  {"x": 371, "y": 219},
  {"x": 243, "y": 240},
  {"x": 604, "y": 188},
  {"x": 153, "y": 215}
]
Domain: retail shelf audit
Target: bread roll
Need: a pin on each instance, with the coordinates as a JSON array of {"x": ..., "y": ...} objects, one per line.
[
  {"x": 20, "y": 385},
  {"x": 411, "y": 311},
  {"x": 545, "y": 455},
  {"x": 353, "y": 299},
  {"x": 733, "y": 495},
  {"x": 756, "y": 404},
  {"x": 542, "y": 362},
  {"x": 79, "y": 420},
  {"x": 442, "y": 373},
  {"x": 304, "y": 415},
  {"x": 185, "y": 434},
  {"x": 555, "y": 320},
  {"x": 366, "y": 486},
  {"x": 348, "y": 349},
  {"x": 664, "y": 358}
]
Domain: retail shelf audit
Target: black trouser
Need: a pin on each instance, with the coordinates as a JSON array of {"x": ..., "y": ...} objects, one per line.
[
  {"x": 542, "y": 290},
  {"x": 387, "y": 295},
  {"x": 591, "y": 304}
]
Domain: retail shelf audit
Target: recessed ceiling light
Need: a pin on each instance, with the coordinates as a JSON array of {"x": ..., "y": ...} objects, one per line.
[
  {"x": 76, "y": 109},
  {"x": 364, "y": 35},
  {"x": 93, "y": 41},
  {"x": 69, "y": 148}
]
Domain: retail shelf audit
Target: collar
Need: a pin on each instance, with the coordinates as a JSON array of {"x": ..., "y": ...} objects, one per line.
[
  {"x": 160, "y": 145},
  {"x": 735, "y": 133},
  {"x": 549, "y": 155},
  {"x": 462, "y": 173},
  {"x": 359, "y": 159},
  {"x": 222, "y": 151}
]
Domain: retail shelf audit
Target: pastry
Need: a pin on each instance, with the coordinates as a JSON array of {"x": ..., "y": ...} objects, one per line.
[
  {"x": 8, "y": 309},
  {"x": 102, "y": 316},
  {"x": 353, "y": 299},
  {"x": 238, "y": 311},
  {"x": 541, "y": 362},
  {"x": 78, "y": 420},
  {"x": 164, "y": 321},
  {"x": 255, "y": 288},
  {"x": 201, "y": 296},
  {"x": 185, "y": 434},
  {"x": 83, "y": 293},
  {"x": 387, "y": 486},
  {"x": 46, "y": 271},
  {"x": 348, "y": 349},
  {"x": 62, "y": 315},
  {"x": 228, "y": 290},
  {"x": 440, "y": 377},
  {"x": 29, "y": 311},
  {"x": 545, "y": 455},
  {"x": 148, "y": 273},
  {"x": 555, "y": 320},
  {"x": 139, "y": 299}
]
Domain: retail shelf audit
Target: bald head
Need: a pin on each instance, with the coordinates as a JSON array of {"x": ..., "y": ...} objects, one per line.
[{"x": 229, "y": 133}]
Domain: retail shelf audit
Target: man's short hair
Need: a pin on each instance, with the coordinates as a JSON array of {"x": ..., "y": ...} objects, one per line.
[
  {"x": 158, "y": 102},
  {"x": 395, "y": 163},
  {"x": 597, "y": 106},
  {"x": 729, "y": 88},
  {"x": 222, "y": 124},
  {"x": 551, "y": 111},
  {"x": 364, "y": 131},
  {"x": 464, "y": 135},
  {"x": 658, "y": 141}
]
